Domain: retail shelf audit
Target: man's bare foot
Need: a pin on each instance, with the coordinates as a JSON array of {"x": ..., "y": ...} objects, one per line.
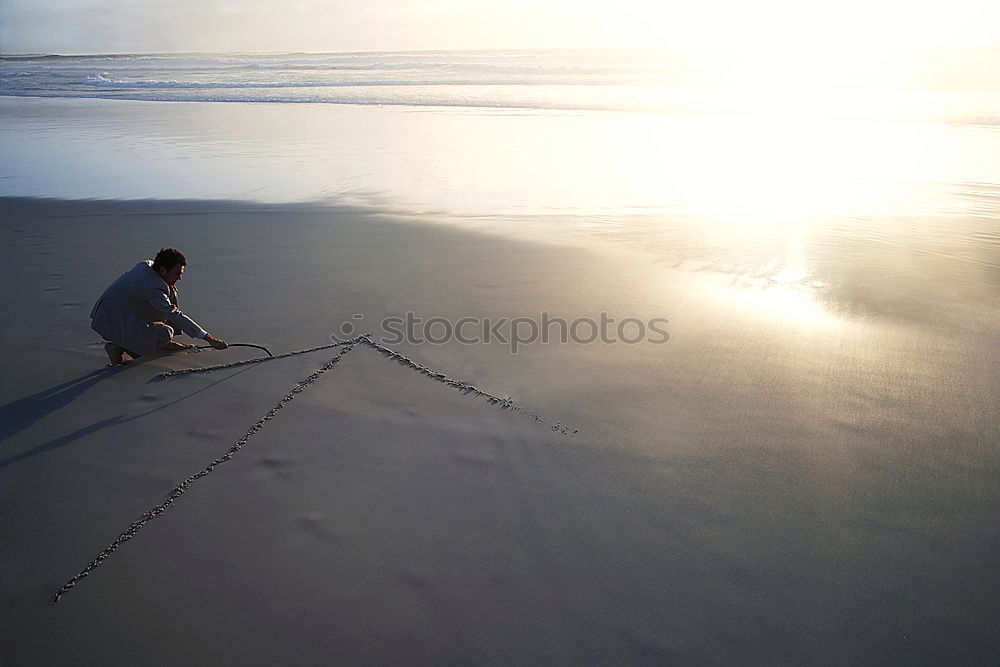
[
  {"x": 116, "y": 354},
  {"x": 173, "y": 346}
]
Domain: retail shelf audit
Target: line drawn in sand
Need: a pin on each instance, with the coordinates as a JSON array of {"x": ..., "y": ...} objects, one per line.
[{"x": 504, "y": 403}]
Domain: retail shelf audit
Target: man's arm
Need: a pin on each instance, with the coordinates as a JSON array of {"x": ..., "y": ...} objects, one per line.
[{"x": 173, "y": 315}]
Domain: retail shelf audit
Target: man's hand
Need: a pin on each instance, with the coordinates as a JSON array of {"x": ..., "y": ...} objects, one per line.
[{"x": 215, "y": 342}]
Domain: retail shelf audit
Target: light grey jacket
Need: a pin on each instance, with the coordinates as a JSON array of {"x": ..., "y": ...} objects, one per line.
[{"x": 132, "y": 304}]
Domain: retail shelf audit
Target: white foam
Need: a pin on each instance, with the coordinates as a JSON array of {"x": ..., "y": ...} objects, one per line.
[{"x": 613, "y": 80}]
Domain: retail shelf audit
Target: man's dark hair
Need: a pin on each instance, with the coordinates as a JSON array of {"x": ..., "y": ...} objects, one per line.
[{"x": 168, "y": 258}]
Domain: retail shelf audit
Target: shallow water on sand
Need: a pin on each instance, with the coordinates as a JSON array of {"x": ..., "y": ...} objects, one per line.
[{"x": 867, "y": 217}]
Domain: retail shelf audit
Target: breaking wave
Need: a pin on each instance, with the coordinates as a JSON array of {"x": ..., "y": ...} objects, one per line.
[{"x": 657, "y": 81}]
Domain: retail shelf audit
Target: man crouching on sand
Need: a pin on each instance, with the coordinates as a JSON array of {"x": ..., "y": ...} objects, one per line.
[{"x": 138, "y": 313}]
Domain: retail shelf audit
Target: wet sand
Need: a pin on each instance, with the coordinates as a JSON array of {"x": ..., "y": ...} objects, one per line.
[{"x": 778, "y": 483}]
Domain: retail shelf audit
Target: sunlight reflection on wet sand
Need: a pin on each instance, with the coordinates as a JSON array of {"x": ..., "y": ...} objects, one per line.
[{"x": 870, "y": 216}]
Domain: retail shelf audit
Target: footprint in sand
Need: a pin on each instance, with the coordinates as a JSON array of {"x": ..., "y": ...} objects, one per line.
[
  {"x": 475, "y": 462},
  {"x": 281, "y": 468},
  {"x": 314, "y": 523},
  {"x": 205, "y": 435},
  {"x": 413, "y": 579}
]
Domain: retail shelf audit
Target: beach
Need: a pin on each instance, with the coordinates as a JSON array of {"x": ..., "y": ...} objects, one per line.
[
  {"x": 599, "y": 358},
  {"x": 752, "y": 490}
]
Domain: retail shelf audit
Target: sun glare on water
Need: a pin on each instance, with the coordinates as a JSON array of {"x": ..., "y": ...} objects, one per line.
[{"x": 787, "y": 144}]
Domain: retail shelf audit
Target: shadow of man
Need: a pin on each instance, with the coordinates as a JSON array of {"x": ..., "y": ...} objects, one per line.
[
  {"x": 44, "y": 403},
  {"x": 22, "y": 413}
]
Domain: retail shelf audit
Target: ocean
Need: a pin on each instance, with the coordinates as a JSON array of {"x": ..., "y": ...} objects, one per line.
[{"x": 871, "y": 186}]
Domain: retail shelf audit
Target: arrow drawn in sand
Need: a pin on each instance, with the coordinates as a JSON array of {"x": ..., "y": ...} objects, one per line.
[{"x": 505, "y": 403}]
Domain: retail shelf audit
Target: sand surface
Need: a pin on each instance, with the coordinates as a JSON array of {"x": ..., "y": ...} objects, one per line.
[{"x": 777, "y": 484}]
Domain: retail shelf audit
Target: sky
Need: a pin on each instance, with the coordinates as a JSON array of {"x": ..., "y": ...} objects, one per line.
[{"x": 157, "y": 26}]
